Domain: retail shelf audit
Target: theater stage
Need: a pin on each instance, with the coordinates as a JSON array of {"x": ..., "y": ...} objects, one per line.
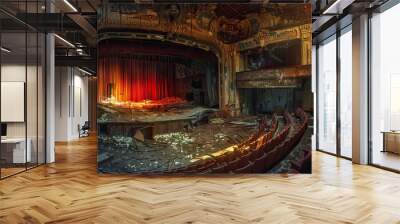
[{"x": 184, "y": 111}]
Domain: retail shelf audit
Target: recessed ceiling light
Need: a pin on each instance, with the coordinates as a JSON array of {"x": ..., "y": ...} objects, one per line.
[
  {"x": 337, "y": 7},
  {"x": 84, "y": 71},
  {"x": 5, "y": 50},
  {"x": 70, "y": 5},
  {"x": 64, "y": 40}
]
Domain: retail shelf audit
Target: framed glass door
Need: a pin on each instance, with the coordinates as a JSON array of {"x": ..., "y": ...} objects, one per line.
[
  {"x": 334, "y": 94},
  {"x": 384, "y": 89},
  {"x": 345, "y": 92},
  {"x": 326, "y": 90},
  {"x": 22, "y": 101}
]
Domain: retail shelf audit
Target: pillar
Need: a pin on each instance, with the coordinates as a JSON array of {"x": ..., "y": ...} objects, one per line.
[
  {"x": 50, "y": 92},
  {"x": 360, "y": 90}
]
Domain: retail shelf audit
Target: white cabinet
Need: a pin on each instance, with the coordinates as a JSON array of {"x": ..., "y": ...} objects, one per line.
[{"x": 19, "y": 155}]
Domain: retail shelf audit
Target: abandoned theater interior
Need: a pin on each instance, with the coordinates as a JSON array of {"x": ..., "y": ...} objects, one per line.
[{"x": 204, "y": 88}]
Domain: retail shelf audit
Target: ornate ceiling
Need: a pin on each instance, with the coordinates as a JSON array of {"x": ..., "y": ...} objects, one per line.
[{"x": 224, "y": 23}]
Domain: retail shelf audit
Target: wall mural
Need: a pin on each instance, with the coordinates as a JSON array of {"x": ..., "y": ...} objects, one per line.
[{"x": 204, "y": 88}]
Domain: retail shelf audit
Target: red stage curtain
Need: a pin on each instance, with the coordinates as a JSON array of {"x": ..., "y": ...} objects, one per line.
[{"x": 131, "y": 78}]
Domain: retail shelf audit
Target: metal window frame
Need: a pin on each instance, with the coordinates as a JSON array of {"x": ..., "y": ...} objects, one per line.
[
  {"x": 339, "y": 32},
  {"x": 386, "y": 6}
]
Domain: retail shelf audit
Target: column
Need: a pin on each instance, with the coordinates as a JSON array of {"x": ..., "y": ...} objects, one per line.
[
  {"x": 360, "y": 90},
  {"x": 50, "y": 92}
]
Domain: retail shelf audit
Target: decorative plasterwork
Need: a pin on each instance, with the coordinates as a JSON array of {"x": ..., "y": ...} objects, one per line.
[
  {"x": 200, "y": 22},
  {"x": 266, "y": 37}
]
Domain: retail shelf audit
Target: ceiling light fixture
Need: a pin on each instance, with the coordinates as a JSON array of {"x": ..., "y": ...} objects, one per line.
[
  {"x": 84, "y": 71},
  {"x": 337, "y": 7},
  {"x": 64, "y": 40},
  {"x": 70, "y": 5},
  {"x": 5, "y": 50}
]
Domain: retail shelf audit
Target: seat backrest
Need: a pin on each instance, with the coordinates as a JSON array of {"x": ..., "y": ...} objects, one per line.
[
  {"x": 219, "y": 169},
  {"x": 245, "y": 169},
  {"x": 259, "y": 164}
]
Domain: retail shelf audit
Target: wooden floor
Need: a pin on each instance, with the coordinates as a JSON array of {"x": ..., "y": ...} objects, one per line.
[
  {"x": 5, "y": 172},
  {"x": 386, "y": 159},
  {"x": 71, "y": 191}
]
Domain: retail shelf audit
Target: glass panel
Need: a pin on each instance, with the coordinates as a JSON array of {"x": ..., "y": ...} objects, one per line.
[
  {"x": 23, "y": 82},
  {"x": 41, "y": 98},
  {"x": 346, "y": 94},
  {"x": 385, "y": 84},
  {"x": 13, "y": 86},
  {"x": 327, "y": 96},
  {"x": 31, "y": 97}
]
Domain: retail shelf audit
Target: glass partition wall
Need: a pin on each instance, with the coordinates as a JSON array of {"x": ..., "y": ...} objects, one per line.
[
  {"x": 326, "y": 57},
  {"x": 22, "y": 88},
  {"x": 385, "y": 89},
  {"x": 334, "y": 94},
  {"x": 345, "y": 91}
]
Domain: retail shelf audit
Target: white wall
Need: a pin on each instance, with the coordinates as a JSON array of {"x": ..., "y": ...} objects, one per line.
[
  {"x": 16, "y": 73},
  {"x": 81, "y": 103},
  {"x": 34, "y": 125},
  {"x": 71, "y": 102},
  {"x": 61, "y": 104}
]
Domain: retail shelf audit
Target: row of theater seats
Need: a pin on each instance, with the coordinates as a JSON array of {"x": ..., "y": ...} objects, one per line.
[
  {"x": 258, "y": 153},
  {"x": 242, "y": 158},
  {"x": 235, "y": 158},
  {"x": 284, "y": 147},
  {"x": 303, "y": 164},
  {"x": 279, "y": 152}
]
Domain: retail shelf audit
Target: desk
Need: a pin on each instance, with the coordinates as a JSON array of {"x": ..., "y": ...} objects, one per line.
[
  {"x": 14, "y": 150},
  {"x": 391, "y": 141}
]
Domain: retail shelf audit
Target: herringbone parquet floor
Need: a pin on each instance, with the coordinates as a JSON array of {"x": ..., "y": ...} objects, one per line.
[{"x": 71, "y": 191}]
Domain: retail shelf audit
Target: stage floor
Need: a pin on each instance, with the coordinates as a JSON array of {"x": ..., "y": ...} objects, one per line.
[{"x": 109, "y": 114}]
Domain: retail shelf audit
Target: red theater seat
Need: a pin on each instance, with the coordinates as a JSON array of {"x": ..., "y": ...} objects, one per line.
[
  {"x": 221, "y": 168},
  {"x": 248, "y": 168},
  {"x": 261, "y": 151}
]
